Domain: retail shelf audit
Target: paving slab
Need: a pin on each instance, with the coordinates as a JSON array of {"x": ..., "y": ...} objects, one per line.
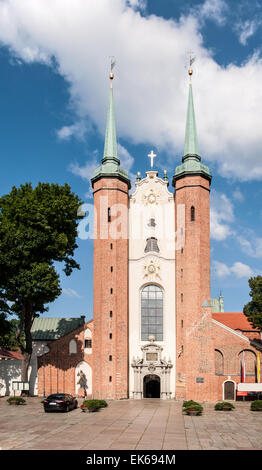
[{"x": 129, "y": 425}]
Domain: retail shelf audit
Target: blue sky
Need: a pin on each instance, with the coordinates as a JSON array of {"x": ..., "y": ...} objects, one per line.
[{"x": 54, "y": 90}]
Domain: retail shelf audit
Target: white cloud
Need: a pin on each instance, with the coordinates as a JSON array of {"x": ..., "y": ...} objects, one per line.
[
  {"x": 150, "y": 82},
  {"x": 71, "y": 293},
  {"x": 213, "y": 10},
  {"x": 77, "y": 130},
  {"x": 127, "y": 160},
  {"x": 86, "y": 171},
  {"x": 238, "y": 195},
  {"x": 238, "y": 269},
  {"x": 247, "y": 29},
  {"x": 241, "y": 270},
  {"x": 137, "y": 4},
  {"x": 221, "y": 216},
  {"x": 251, "y": 246},
  {"x": 221, "y": 269}
]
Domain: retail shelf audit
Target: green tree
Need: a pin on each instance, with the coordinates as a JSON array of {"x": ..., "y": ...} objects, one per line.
[
  {"x": 8, "y": 330},
  {"x": 38, "y": 227},
  {"x": 253, "y": 309}
]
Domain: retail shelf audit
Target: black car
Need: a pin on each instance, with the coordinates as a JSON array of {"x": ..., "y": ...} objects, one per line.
[{"x": 60, "y": 402}]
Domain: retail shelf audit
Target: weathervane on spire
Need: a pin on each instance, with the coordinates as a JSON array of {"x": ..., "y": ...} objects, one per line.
[
  {"x": 112, "y": 64},
  {"x": 191, "y": 61}
]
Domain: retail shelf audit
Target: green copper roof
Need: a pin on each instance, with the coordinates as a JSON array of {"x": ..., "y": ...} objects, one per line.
[
  {"x": 110, "y": 163},
  {"x": 191, "y": 161},
  {"x": 191, "y": 144},
  {"x": 110, "y": 148},
  {"x": 48, "y": 329}
]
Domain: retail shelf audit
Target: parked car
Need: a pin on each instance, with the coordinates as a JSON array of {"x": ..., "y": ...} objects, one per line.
[{"x": 60, "y": 402}]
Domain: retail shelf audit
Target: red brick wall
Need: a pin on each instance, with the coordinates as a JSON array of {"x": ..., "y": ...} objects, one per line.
[
  {"x": 197, "y": 360},
  {"x": 231, "y": 347},
  {"x": 116, "y": 192},
  {"x": 56, "y": 369}
]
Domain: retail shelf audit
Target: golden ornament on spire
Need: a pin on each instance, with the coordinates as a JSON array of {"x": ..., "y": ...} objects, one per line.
[
  {"x": 191, "y": 60},
  {"x": 112, "y": 64}
]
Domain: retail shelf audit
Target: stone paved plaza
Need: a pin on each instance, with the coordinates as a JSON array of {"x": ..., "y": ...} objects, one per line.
[{"x": 149, "y": 424}]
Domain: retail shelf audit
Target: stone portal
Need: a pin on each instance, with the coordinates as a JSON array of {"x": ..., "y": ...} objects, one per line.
[{"x": 151, "y": 373}]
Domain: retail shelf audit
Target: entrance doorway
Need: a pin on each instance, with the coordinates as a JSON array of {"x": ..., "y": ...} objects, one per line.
[
  {"x": 229, "y": 390},
  {"x": 151, "y": 386}
]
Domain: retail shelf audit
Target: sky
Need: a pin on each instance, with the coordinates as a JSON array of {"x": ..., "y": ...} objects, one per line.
[{"x": 54, "y": 91}]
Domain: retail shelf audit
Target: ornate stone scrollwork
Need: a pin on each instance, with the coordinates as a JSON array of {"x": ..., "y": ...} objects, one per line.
[
  {"x": 150, "y": 363},
  {"x": 150, "y": 197},
  {"x": 151, "y": 269}
]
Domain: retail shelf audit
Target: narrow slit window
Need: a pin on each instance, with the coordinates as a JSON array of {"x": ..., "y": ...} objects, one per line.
[
  {"x": 193, "y": 214},
  {"x": 109, "y": 214}
]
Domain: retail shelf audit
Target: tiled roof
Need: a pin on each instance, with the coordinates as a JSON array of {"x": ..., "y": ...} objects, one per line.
[
  {"x": 236, "y": 321},
  {"x": 48, "y": 329},
  {"x": 5, "y": 354}
]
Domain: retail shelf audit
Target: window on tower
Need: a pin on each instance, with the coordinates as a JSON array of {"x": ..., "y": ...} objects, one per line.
[
  {"x": 193, "y": 214},
  {"x": 151, "y": 245},
  {"x": 152, "y": 313}
]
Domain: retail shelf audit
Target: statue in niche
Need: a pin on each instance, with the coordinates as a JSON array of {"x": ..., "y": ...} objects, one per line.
[{"x": 82, "y": 382}]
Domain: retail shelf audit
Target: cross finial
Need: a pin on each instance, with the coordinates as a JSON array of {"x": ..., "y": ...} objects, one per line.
[{"x": 152, "y": 155}]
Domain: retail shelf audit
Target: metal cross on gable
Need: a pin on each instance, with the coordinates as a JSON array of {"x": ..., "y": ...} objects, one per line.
[{"x": 152, "y": 155}]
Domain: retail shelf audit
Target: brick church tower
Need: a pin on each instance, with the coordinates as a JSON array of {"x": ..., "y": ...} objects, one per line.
[
  {"x": 195, "y": 349},
  {"x": 110, "y": 346}
]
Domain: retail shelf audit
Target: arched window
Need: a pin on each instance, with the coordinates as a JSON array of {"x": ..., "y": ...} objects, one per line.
[
  {"x": 152, "y": 313},
  {"x": 193, "y": 214},
  {"x": 88, "y": 341},
  {"x": 219, "y": 362},
  {"x": 247, "y": 361}
]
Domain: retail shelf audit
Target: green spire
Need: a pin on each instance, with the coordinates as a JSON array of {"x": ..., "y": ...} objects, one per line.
[
  {"x": 110, "y": 149},
  {"x": 191, "y": 161},
  {"x": 110, "y": 167},
  {"x": 191, "y": 144}
]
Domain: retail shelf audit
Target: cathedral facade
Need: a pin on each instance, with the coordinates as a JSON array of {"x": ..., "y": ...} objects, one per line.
[{"x": 153, "y": 332}]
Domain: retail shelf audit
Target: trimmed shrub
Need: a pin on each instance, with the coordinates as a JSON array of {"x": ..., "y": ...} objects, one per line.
[
  {"x": 92, "y": 405},
  {"x": 103, "y": 403},
  {"x": 194, "y": 408},
  {"x": 224, "y": 405},
  {"x": 256, "y": 405},
  {"x": 16, "y": 401},
  {"x": 189, "y": 403}
]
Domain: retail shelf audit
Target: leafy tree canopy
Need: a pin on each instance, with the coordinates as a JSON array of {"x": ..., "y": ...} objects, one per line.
[
  {"x": 38, "y": 226},
  {"x": 8, "y": 333},
  {"x": 253, "y": 309}
]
